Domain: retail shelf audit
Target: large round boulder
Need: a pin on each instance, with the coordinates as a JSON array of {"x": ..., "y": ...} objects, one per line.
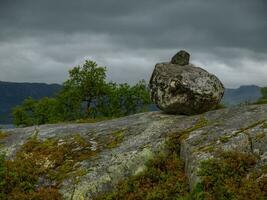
[{"x": 184, "y": 88}]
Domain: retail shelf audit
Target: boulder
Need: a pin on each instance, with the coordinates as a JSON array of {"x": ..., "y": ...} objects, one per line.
[
  {"x": 179, "y": 87},
  {"x": 181, "y": 58}
]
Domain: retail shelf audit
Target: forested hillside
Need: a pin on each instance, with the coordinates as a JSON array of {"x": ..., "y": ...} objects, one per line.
[{"x": 12, "y": 94}]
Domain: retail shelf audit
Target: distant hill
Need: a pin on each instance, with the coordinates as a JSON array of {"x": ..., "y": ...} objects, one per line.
[
  {"x": 245, "y": 93},
  {"x": 12, "y": 94}
]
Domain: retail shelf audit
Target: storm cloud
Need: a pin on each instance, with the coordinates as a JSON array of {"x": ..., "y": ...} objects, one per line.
[{"x": 41, "y": 40}]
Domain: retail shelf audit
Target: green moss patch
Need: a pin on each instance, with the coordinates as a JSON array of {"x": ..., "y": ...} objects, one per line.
[
  {"x": 253, "y": 125},
  {"x": 264, "y": 125},
  {"x": 115, "y": 139},
  {"x": 93, "y": 120},
  {"x": 224, "y": 139},
  {"x": 3, "y": 135},
  {"x": 182, "y": 135},
  {"x": 39, "y": 168}
]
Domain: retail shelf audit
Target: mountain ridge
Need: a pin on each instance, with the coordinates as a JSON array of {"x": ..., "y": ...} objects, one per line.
[
  {"x": 13, "y": 93},
  {"x": 243, "y": 94}
]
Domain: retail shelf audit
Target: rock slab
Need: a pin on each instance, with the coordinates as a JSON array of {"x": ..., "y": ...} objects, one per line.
[
  {"x": 182, "y": 88},
  {"x": 240, "y": 128}
]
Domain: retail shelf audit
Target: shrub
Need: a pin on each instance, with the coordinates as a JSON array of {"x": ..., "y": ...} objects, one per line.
[{"x": 230, "y": 176}]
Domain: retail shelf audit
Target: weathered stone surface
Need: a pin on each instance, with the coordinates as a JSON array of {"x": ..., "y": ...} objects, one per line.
[
  {"x": 242, "y": 128},
  {"x": 184, "y": 89},
  {"x": 181, "y": 58}
]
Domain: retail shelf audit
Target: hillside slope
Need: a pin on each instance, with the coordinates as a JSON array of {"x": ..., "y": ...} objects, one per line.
[
  {"x": 12, "y": 94},
  {"x": 120, "y": 148},
  {"x": 245, "y": 93}
]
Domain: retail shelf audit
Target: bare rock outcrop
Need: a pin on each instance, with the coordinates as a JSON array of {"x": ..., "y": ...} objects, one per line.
[{"x": 140, "y": 137}]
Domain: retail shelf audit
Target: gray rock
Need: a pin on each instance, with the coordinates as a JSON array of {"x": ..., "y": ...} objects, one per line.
[
  {"x": 184, "y": 89},
  {"x": 181, "y": 58},
  {"x": 241, "y": 128}
]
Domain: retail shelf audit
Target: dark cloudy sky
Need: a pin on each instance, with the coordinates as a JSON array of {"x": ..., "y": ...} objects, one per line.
[{"x": 40, "y": 40}]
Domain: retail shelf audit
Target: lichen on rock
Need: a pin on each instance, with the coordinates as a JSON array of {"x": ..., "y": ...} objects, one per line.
[{"x": 136, "y": 139}]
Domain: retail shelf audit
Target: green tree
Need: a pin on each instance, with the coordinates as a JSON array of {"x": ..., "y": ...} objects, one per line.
[
  {"x": 24, "y": 114},
  {"x": 264, "y": 92},
  {"x": 123, "y": 99},
  {"x": 69, "y": 103},
  {"x": 141, "y": 96},
  {"x": 45, "y": 111},
  {"x": 85, "y": 94},
  {"x": 88, "y": 82},
  {"x": 35, "y": 112},
  {"x": 263, "y": 98},
  {"x": 110, "y": 105}
]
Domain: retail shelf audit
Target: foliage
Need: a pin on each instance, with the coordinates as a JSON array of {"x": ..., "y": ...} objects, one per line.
[
  {"x": 44, "y": 111},
  {"x": 69, "y": 104},
  {"x": 263, "y": 98},
  {"x": 122, "y": 99},
  {"x": 87, "y": 81},
  {"x": 37, "y": 162},
  {"x": 3, "y": 135},
  {"x": 24, "y": 114},
  {"x": 116, "y": 138},
  {"x": 229, "y": 177},
  {"x": 36, "y": 112},
  {"x": 163, "y": 179},
  {"x": 86, "y": 94},
  {"x": 264, "y": 92}
]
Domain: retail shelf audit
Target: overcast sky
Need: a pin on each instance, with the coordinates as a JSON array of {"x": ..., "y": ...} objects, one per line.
[{"x": 40, "y": 40}]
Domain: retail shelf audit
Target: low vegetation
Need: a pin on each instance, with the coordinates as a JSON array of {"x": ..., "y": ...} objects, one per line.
[
  {"x": 39, "y": 168},
  {"x": 115, "y": 139},
  {"x": 229, "y": 175},
  {"x": 3, "y": 135},
  {"x": 86, "y": 95},
  {"x": 163, "y": 178}
]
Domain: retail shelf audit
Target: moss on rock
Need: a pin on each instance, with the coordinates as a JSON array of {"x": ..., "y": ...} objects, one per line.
[
  {"x": 115, "y": 139},
  {"x": 39, "y": 167},
  {"x": 231, "y": 175}
]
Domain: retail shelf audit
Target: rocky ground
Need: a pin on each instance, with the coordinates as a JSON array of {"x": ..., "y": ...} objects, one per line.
[{"x": 121, "y": 147}]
